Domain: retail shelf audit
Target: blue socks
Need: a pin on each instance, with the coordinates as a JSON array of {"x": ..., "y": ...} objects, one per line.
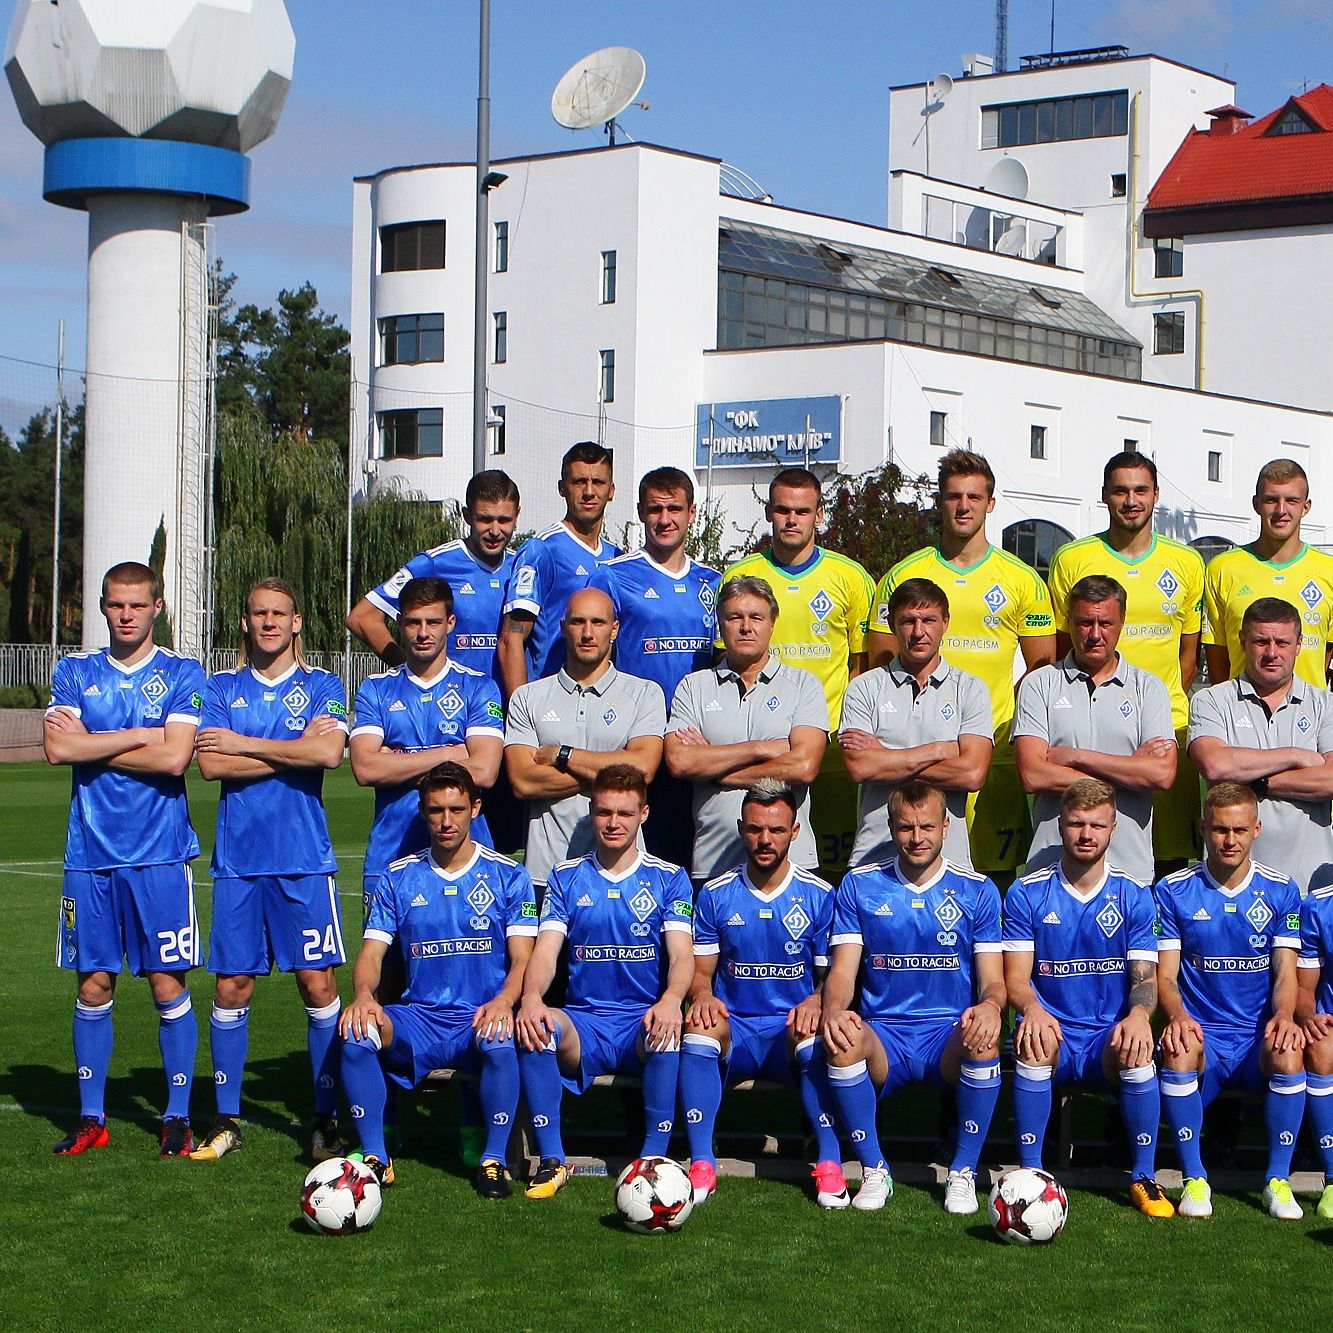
[
  {"x": 93, "y": 1037},
  {"x": 229, "y": 1031},
  {"x": 321, "y": 1029},
  {"x": 700, "y": 1092},
  {"x": 178, "y": 1040},
  {"x": 1319, "y": 1103},
  {"x": 499, "y": 1094},
  {"x": 1141, "y": 1110},
  {"x": 661, "y": 1071},
  {"x": 364, "y": 1080},
  {"x": 1284, "y": 1108},
  {"x": 539, "y": 1075},
  {"x": 816, "y": 1098},
  {"x": 978, "y": 1091},
  {"x": 1032, "y": 1110},
  {"x": 1184, "y": 1113},
  {"x": 856, "y": 1100}
]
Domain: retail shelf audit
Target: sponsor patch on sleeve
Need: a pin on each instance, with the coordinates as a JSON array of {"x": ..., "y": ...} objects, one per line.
[
  {"x": 494, "y": 710},
  {"x": 336, "y": 709},
  {"x": 197, "y": 700},
  {"x": 1293, "y": 921},
  {"x": 529, "y": 909},
  {"x": 682, "y": 908}
]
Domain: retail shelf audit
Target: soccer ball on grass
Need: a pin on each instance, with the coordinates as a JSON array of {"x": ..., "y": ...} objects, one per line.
[
  {"x": 654, "y": 1194},
  {"x": 341, "y": 1197},
  {"x": 1028, "y": 1207}
]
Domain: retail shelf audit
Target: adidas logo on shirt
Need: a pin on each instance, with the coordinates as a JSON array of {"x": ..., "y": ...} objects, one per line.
[
  {"x": 93, "y": 691},
  {"x": 585, "y": 901},
  {"x": 581, "y": 570},
  {"x": 467, "y": 587},
  {"x": 1202, "y": 915},
  {"x": 713, "y": 706},
  {"x": 1062, "y": 702},
  {"x": 651, "y": 593},
  {"x": 551, "y": 716},
  {"x": 239, "y": 703},
  {"x": 398, "y": 706},
  {"x": 419, "y": 901},
  {"x": 1051, "y": 918},
  {"x": 884, "y": 910},
  {"x": 736, "y": 919}
]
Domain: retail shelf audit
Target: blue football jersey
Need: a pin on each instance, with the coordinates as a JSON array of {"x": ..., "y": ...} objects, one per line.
[
  {"x": 479, "y": 596},
  {"x": 918, "y": 940},
  {"x": 1226, "y": 938},
  {"x": 453, "y": 926},
  {"x": 613, "y": 927},
  {"x": 768, "y": 943},
  {"x": 1317, "y": 943},
  {"x": 1081, "y": 944},
  {"x": 548, "y": 570},
  {"x": 128, "y": 819},
  {"x": 667, "y": 620},
  {"x": 411, "y": 714},
  {"x": 273, "y": 825}
]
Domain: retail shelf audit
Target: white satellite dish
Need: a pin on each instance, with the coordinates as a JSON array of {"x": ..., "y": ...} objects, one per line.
[
  {"x": 596, "y": 89},
  {"x": 941, "y": 85},
  {"x": 1008, "y": 177}
]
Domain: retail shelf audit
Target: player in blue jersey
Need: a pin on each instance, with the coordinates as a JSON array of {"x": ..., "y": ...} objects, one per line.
[
  {"x": 1230, "y": 932},
  {"x": 124, "y": 719},
  {"x": 465, "y": 919},
  {"x": 555, "y": 563},
  {"x": 1080, "y": 966},
  {"x": 626, "y": 918},
  {"x": 924, "y": 937},
  {"x": 270, "y": 728},
  {"x": 760, "y": 950},
  {"x": 665, "y": 603},
  {"x": 1314, "y": 1012}
]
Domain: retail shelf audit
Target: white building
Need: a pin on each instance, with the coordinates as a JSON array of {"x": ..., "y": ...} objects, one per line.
[{"x": 1012, "y": 308}]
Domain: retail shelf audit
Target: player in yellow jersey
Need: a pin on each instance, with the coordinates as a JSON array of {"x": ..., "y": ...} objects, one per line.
[
  {"x": 1163, "y": 583},
  {"x": 823, "y": 607},
  {"x": 999, "y": 606},
  {"x": 1276, "y": 564}
]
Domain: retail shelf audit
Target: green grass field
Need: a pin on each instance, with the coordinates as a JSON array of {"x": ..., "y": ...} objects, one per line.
[{"x": 119, "y": 1238}]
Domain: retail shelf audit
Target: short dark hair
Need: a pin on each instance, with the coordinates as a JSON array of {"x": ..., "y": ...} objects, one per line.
[
  {"x": 492, "y": 485},
  {"x": 914, "y": 793},
  {"x": 669, "y": 480},
  {"x": 620, "y": 777},
  {"x": 1229, "y": 793},
  {"x": 965, "y": 463},
  {"x": 1128, "y": 458},
  {"x": 1269, "y": 611},
  {"x": 911, "y": 593},
  {"x": 449, "y": 774},
  {"x": 1098, "y": 588},
  {"x": 1281, "y": 470},
  {"x": 587, "y": 451},
  {"x": 772, "y": 791},
  {"x": 1087, "y": 794},
  {"x": 796, "y": 479},
  {"x": 130, "y": 573},
  {"x": 423, "y": 592}
]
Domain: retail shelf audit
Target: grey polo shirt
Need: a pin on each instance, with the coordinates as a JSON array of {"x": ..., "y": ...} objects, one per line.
[
  {"x": 888, "y": 703},
  {"x": 1296, "y": 838},
  {"x": 716, "y": 703},
  {"x": 603, "y": 716},
  {"x": 1061, "y": 705}
]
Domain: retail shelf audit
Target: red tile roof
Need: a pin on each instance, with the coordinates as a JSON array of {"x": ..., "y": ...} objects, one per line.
[{"x": 1250, "y": 165}]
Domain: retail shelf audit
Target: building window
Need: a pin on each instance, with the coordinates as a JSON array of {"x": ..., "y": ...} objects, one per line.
[
  {"x": 1291, "y": 122},
  {"x": 1168, "y": 257},
  {"x": 502, "y": 247},
  {"x": 1035, "y": 541},
  {"x": 501, "y": 318},
  {"x": 1118, "y": 185},
  {"x": 418, "y": 433},
  {"x": 497, "y": 425},
  {"x": 1055, "y": 119},
  {"x": 608, "y": 277},
  {"x": 1214, "y": 465},
  {"x": 409, "y": 339},
  {"x": 411, "y": 245},
  {"x": 1168, "y": 333},
  {"x": 939, "y": 422},
  {"x": 607, "y": 381},
  {"x": 1037, "y": 442}
]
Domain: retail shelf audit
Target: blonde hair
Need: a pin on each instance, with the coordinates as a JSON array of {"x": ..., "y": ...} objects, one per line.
[{"x": 273, "y": 584}]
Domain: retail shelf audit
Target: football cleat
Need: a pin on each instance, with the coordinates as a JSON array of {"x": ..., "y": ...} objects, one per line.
[
  {"x": 176, "y": 1140},
  {"x": 703, "y": 1176},
  {"x": 383, "y": 1171},
  {"x": 549, "y": 1179},
  {"x": 471, "y": 1144},
  {"x": 1280, "y": 1202},
  {"x": 90, "y": 1132},
  {"x": 1325, "y": 1208},
  {"x": 1196, "y": 1199},
  {"x": 225, "y": 1136},
  {"x": 1146, "y": 1195},
  {"x": 960, "y": 1192},
  {"x": 326, "y": 1142},
  {"x": 876, "y": 1189},
  {"x": 493, "y": 1180},
  {"x": 830, "y": 1185}
]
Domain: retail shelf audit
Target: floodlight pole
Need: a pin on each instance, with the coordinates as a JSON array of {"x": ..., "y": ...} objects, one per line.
[
  {"x": 482, "y": 251},
  {"x": 55, "y": 516}
]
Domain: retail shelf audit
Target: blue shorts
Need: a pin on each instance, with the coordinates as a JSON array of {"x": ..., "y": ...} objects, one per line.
[
  {"x": 425, "y": 1039},
  {"x": 1081, "y": 1056},
  {"x": 290, "y": 920},
  {"x": 608, "y": 1044},
  {"x": 143, "y": 915},
  {"x": 1231, "y": 1060},
  {"x": 914, "y": 1048},
  {"x": 759, "y": 1050}
]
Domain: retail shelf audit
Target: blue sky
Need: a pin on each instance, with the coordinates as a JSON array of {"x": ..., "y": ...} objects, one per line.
[{"x": 793, "y": 92}]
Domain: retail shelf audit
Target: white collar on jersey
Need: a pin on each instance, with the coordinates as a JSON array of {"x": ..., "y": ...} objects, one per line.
[
  {"x": 767, "y": 895},
  {"x": 624, "y": 874},
  {"x": 1076, "y": 894},
  {"x": 270, "y": 681},
  {"x": 919, "y": 888},
  {"x": 434, "y": 680},
  {"x": 643, "y": 555},
  {"x": 1221, "y": 888},
  {"x": 594, "y": 551},
  {"x": 127, "y": 669},
  {"x": 461, "y": 871}
]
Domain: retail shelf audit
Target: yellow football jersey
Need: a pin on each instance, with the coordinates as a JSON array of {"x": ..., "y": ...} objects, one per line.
[
  {"x": 823, "y": 607},
  {"x": 1237, "y": 577},
  {"x": 1163, "y": 600},
  {"x": 992, "y": 605}
]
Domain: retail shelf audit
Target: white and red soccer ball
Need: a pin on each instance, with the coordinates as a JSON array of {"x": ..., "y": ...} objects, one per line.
[
  {"x": 341, "y": 1197},
  {"x": 1028, "y": 1207},
  {"x": 654, "y": 1194}
]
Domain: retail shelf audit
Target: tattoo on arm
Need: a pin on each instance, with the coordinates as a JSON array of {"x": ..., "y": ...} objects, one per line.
[{"x": 1143, "y": 984}]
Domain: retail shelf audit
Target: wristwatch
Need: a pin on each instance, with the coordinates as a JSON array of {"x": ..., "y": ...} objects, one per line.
[{"x": 562, "y": 757}]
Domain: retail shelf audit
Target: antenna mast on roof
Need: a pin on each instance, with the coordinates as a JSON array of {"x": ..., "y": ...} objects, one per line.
[{"x": 1001, "y": 36}]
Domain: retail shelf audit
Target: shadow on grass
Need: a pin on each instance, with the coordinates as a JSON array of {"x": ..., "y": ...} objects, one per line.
[
  {"x": 986, "y": 1233},
  {"x": 52, "y": 1094}
]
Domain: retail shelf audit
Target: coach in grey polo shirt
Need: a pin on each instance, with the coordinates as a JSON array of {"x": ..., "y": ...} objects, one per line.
[
  {"x": 750, "y": 717},
  {"x": 1274, "y": 731},
  {"x": 562, "y": 729},
  {"x": 915, "y": 717},
  {"x": 1095, "y": 715}
]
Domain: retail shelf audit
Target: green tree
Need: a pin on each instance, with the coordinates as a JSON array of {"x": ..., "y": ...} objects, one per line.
[{"x": 880, "y": 516}]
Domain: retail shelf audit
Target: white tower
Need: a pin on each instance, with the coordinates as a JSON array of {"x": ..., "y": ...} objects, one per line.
[{"x": 147, "y": 110}]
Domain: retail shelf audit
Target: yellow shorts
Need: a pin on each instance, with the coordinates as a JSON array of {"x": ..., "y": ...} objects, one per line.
[
  {"x": 998, "y": 822},
  {"x": 1176, "y": 811}
]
